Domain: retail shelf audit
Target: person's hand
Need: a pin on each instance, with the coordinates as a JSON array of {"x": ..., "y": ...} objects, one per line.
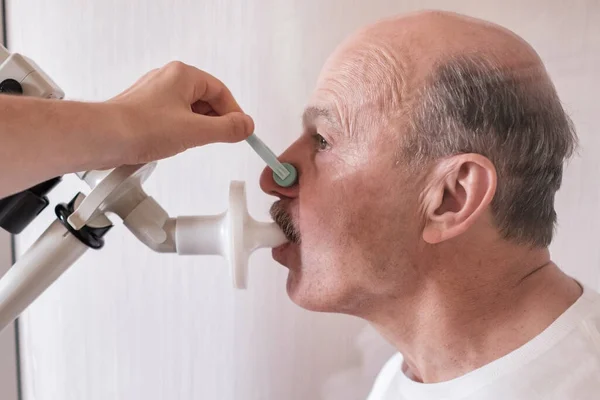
[{"x": 175, "y": 108}]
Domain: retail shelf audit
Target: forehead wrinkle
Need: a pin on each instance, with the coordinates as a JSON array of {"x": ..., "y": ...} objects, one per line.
[
  {"x": 375, "y": 67},
  {"x": 328, "y": 104},
  {"x": 371, "y": 85}
]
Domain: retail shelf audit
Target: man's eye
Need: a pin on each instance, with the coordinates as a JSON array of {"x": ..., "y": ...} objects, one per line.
[{"x": 320, "y": 142}]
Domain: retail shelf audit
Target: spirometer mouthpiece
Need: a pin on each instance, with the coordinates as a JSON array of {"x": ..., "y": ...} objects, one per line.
[{"x": 233, "y": 234}]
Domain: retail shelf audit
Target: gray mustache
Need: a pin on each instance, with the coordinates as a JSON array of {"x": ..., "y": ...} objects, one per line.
[{"x": 284, "y": 220}]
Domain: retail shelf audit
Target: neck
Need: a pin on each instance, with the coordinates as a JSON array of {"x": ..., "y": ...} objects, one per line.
[{"x": 466, "y": 315}]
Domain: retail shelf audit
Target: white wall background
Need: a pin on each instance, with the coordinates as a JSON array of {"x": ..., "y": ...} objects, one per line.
[{"x": 125, "y": 323}]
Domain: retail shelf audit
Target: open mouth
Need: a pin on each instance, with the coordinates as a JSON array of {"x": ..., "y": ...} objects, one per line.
[{"x": 282, "y": 218}]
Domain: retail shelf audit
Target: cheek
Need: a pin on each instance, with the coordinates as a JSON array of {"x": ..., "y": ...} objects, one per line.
[
  {"x": 347, "y": 213},
  {"x": 356, "y": 222},
  {"x": 322, "y": 220},
  {"x": 334, "y": 221},
  {"x": 323, "y": 224}
]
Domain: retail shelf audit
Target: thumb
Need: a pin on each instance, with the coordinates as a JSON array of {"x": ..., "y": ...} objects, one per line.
[{"x": 229, "y": 128}]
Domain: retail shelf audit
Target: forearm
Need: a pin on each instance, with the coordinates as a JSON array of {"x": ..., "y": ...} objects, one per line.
[
  {"x": 41, "y": 139},
  {"x": 167, "y": 111}
]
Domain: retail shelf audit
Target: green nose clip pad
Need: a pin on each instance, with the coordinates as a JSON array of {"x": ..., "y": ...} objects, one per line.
[{"x": 290, "y": 180}]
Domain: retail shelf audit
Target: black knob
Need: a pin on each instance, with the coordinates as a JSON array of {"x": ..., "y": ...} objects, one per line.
[
  {"x": 91, "y": 236},
  {"x": 11, "y": 86}
]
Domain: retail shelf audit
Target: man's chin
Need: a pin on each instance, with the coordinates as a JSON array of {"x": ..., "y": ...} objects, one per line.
[
  {"x": 304, "y": 293},
  {"x": 288, "y": 255}
]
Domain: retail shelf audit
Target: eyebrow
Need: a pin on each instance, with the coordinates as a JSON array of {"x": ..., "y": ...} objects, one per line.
[{"x": 312, "y": 113}]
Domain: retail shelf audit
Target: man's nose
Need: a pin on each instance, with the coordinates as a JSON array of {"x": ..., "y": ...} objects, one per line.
[{"x": 269, "y": 186}]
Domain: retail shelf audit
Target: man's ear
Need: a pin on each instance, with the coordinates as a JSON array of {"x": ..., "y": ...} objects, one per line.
[{"x": 461, "y": 189}]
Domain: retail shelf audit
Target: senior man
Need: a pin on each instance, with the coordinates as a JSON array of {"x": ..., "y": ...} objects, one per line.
[{"x": 432, "y": 149}]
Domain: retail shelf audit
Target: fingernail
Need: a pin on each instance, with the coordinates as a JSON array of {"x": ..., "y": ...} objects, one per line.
[{"x": 249, "y": 124}]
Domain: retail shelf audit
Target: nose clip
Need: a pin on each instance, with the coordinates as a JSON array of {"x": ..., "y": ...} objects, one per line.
[{"x": 290, "y": 179}]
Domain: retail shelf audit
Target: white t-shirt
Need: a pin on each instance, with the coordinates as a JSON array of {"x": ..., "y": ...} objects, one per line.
[{"x": 562, "y": 362}]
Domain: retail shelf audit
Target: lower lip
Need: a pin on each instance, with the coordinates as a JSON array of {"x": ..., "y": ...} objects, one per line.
[{"x": 279, "y": 250}]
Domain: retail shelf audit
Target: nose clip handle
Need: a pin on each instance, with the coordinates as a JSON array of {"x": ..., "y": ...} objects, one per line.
[{"x": 285, "y": 174}]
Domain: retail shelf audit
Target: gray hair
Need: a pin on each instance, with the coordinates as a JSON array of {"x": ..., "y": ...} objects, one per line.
[{"x": 512, "y": 117}]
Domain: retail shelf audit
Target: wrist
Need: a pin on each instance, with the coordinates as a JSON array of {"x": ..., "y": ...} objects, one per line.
[
  {"x": 119, "y": 131},
  {"x": 127, "y": 122}
]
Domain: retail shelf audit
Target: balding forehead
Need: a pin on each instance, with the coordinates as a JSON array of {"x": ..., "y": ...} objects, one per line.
[
  {"x": 412, "y": 44},
  {"x": 431, "y": 37},
  {"x": 380, "y": 70}
]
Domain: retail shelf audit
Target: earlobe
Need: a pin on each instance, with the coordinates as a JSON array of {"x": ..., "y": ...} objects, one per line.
[
  {"x": 462, "y": 188},
  {"x": 432, "y": 235}
]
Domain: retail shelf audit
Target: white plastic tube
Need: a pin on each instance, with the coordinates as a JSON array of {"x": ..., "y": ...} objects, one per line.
[
  {"x": 51, "y": 255},
  {"x": 206, "y": 235}
]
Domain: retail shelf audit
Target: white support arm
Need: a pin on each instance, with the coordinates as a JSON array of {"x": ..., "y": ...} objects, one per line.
[
  {"x": 51, "y": 255},
  {"x": 45, "y": 261}
]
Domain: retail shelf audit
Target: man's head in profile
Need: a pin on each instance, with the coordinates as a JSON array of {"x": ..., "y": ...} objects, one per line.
[
  {"x": 430, "y": 139},
  {"x": 431, "y": 152}
]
